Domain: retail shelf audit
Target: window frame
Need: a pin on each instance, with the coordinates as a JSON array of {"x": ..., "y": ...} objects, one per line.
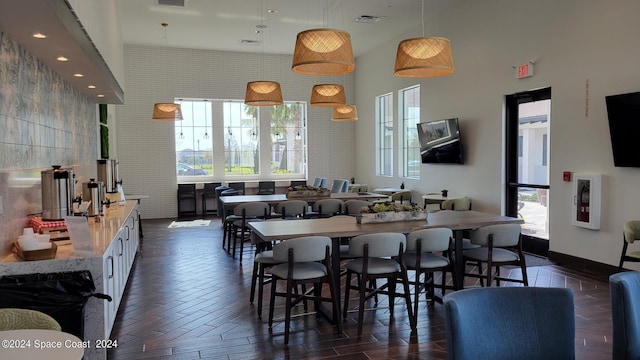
[
  {"x": 404, "y": 121},
  {"x": 383, "y": 110}
]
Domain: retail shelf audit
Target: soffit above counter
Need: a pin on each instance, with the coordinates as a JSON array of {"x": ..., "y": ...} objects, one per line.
[{"x": 65, "y": 37}]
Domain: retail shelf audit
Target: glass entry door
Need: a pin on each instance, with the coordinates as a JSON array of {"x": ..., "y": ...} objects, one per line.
[{"x": 527, "y": 165}]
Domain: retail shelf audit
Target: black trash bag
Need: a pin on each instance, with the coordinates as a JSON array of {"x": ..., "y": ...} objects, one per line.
[{"x": 60, "y": 295}]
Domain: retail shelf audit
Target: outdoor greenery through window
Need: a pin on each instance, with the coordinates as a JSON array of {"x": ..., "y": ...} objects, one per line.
[
  {"x": 227, "y": 140},
  {"x": 384, "y": 134},
  {"x": 410, "y": 114}
]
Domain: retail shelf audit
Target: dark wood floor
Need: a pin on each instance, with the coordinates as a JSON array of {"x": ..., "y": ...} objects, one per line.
[{"x": 188, "y": 299}]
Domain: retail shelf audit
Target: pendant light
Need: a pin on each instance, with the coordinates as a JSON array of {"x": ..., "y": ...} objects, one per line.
[
  {"x": 323, "y": 51},
  {"x": 263, "y": 92},
  {"x": 327, "y": 95},
  {"x": 166, "y": 111},
  {"x": 424, "y": 56},
  {"x": 345, "y": 113}
]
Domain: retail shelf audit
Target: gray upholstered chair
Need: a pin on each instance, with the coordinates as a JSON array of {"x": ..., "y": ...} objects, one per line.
[
  {"x": 247, "y": 212},
  {"x": 510, "y": 323},
  {"x": 291, "y": 209},
  {"x": 457, "y": 204},
  {"x": 352, "y": 207},
  {"x": 325, "y": 208},
  {"x": 306, "y": 260},
  {"x": 262, "y": 261},
  {"x": 630, "y": 233},
  {"x": 429, "y": 251},
  {"x": 499, "y": 245},
  {"x": 401, "y": 196},
  {"x": 377, "y": 256},
  {"x": 625, "y": 314},
  {"x": 16, "y": 319}
]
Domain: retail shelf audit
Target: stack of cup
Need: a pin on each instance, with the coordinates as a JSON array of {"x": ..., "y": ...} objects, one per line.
[{"x": 29, "y": 241}]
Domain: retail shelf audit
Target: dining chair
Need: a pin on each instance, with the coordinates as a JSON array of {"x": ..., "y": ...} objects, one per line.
[
  {"x": 457, "y": 204},
  {"x": 266, "y": 187},
  {"x": 240, "y": 186},
  {"x": 510, "y": 323},
  {"x": 306, "y": 260},
  {"x": 219, "y": 207},
  {"x": 291, "y": 209},
  {"x": 247, "y": 212},
  {"x": 500, "y": 245},
  {"x": 186, "y": 194},
  {"x": 325, "y": 208},
  {"x": 228, "y": 220},
  {"x": 352, "y": 207},
  {"x": 624, "y": 288},
  {"x": 401, "y": 196},
  {"x": 630, "y": 233},
  {"x": 320, "y": 182},
  {"x": 298, "y": 183},
  {"x": 339, "y": 185},
  {"x": 429, "y": 251},
  {"x": 16, "y": 319},
  {"x": 378, "y": 256},
  {"x": 262, "y": 261},
  {"x": 209, "y": 192}
]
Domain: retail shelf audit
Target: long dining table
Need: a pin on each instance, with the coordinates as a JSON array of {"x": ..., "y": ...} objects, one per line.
[{"x": 344, "y": 226}]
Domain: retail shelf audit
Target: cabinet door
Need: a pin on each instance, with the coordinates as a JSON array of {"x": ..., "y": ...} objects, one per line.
[{"x": 110, "y": 309}]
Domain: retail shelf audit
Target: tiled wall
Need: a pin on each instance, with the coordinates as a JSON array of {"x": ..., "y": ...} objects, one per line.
[{"x": 43, "y": 121}]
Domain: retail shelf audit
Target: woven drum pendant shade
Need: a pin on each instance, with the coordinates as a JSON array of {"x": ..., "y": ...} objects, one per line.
[
  {"x": 167, "y": 112},
  {"x": 328, "y": 95},
  {"x": 323, "y": 52},
  {"x": 345, "y": 113},
  {"x": 424, "y": 57},
  {"x": 263, "y": 93}
]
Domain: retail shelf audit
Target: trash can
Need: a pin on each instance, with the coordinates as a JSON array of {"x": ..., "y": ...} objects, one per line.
[{"x": 60, "y": 295}]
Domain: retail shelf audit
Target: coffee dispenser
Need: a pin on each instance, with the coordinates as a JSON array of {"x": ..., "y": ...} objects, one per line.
[
  {"x": 58, "y": 191},
  {"x": 108, "y": 174},
  {"x": 94, "y": 191}
]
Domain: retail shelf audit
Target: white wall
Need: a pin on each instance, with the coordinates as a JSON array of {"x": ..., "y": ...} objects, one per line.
[
  {"x": 571, "y": 42},
  {"x": 146, "y": 149}
]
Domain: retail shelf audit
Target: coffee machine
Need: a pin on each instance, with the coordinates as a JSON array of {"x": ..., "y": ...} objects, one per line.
[{"x": 93, "y": 191}]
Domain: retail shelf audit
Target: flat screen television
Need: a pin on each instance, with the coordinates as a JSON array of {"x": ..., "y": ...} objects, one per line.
[
  {"x": 624, "y": 127},
  {"x": 440, "y": 142}
]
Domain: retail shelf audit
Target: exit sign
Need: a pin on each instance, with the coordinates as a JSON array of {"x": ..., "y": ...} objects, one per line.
[{"x": 524, "y": 70}]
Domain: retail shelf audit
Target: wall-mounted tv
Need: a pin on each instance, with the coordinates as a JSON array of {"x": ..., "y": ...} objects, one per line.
[
  {"x": 624, "y": 126},
  {"x": 440, "y": 142}
]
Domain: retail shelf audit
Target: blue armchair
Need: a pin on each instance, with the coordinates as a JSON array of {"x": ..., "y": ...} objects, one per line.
[
  {"x": 625, "y": 314},
  {"x": 510, "y": 323}
]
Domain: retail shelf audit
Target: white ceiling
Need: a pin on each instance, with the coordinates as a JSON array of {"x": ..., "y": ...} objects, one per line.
[{"x": 223, "y": 24}]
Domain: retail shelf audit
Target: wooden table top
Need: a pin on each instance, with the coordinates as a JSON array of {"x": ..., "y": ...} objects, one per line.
[{"x": 346, "y": 226}]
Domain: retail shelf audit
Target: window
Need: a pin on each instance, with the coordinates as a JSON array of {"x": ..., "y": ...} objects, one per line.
[
  {"x": 239, "y": 154},
  {"x": 410, "y": 115},
  {"x": 288, "y": 147},
  {"x": 194, "y": 149},
  {"x": 384, "y": 130}
]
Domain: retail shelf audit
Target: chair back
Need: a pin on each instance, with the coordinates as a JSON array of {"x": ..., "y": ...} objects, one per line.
[
  {"x": 240, "y": 186},
  {"x": 510, "y": 323},
  {"x": 320, "y": 182},
  {"x": 431, "y": 240},
  {"x": 459, "y": 204},
  {"x": 186, "y": 190},
  {"x": 352, "y": 207},
  {"x": 253, "y": 209},
  {"x": 292, "y": 208},
  {"x": 210, "y": 188},
  {"x": 385, "y": 244},
  {"x": 632, "y": 231},
  {"x": 401, "y": 196},
  {"x": 298, "y": 183},
  {"x": 17, "y": 319},
  {"x": 266, "y": 187},
  {"x": 305, "y": 249},
  {"x": 328, "y": 206},
  {"x": 504, "y": 235},
  {"x": 625, "y": 314},
  {"x": 339, "y": 185}
]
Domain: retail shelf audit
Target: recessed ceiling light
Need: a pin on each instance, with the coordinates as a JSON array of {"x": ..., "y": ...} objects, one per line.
[
  {"x": 78, "y": 75},
  {"x": 100, "y": 95},
  {"x": 39, "y": 36},
  {"x": 91, "y": 86},
  {"x": 272, "y": 11},
  {"x": 62, "y": 58}
]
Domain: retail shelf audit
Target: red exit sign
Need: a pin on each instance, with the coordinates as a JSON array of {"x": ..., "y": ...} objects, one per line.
[{"x": 524, "y": 70}]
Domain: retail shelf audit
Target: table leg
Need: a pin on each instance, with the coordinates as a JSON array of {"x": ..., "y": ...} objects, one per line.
[{"x": 459, "y": 262}]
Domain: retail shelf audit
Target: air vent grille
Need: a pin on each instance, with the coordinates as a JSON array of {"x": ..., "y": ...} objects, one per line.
[
  {"x": 178, "y": 3},
  {"x": 368, "y": 19}
]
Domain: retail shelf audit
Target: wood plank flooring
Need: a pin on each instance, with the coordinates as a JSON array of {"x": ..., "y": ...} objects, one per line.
[{"x": 188, "y": 299}]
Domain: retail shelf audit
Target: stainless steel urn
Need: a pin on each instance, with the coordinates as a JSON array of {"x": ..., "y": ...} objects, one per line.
[
  {"x": 108, "y": 174},
  {"x": 58, "y": 191},
  {"x": 93, "y": 191}
]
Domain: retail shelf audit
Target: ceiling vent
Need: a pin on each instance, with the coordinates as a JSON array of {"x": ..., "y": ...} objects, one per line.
[
  {"x": 177, "y": 3},
  {"x": 249, "y": 42},
  {"x": 368, "y": 19}
]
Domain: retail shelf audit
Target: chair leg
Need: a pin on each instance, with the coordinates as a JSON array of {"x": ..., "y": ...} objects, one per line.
[
  {"x": 623, "y": 255},
  {"x": 287, "y": 316},
  {"x": 272, "y": 301},
  {"x": 362, "y": 289},
  {"x": 392, "y": 295},
  {"x": 417, "y": 291},
  {"x": 407, "y": 296},
  {"x": 260, "y": 289},
  {"x": 347, "y": 289}
]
